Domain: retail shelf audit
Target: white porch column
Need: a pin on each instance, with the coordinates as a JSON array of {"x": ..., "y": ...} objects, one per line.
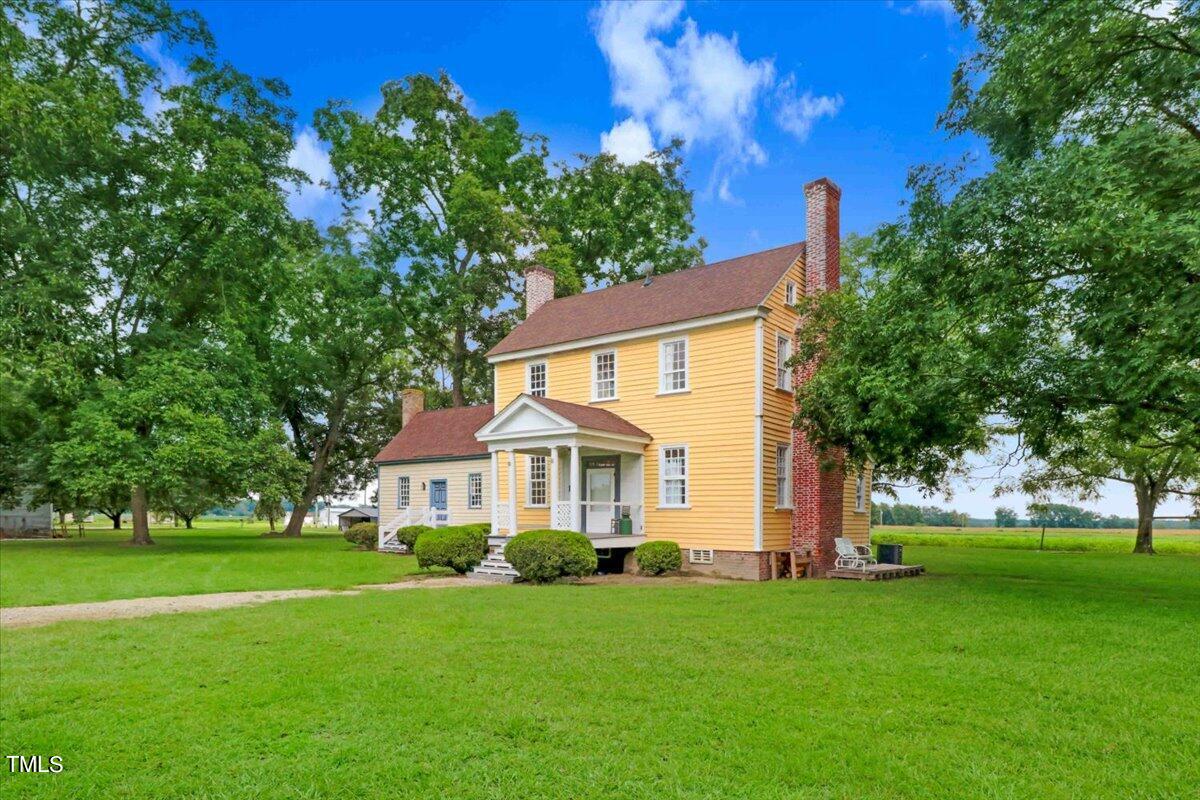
[
  {"x": 512, "y": 492},
  {"x": 495, "y": 493},
  {"x": 573, "y": 482},
  {"x": 553, "y": 482}
]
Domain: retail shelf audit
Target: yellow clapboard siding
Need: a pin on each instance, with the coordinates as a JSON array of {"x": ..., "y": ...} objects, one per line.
[
  {"x": 778, "y": 407},
  {"x": 856, "y": 525},
  {"x": 421, "y": 472},
  {"x": 715, "y": 419}
]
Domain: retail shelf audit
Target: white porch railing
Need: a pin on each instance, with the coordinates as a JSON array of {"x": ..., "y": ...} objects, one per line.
[
  {"x": 614, "y": 511},
  {"x": 433, "y": 517},
  {"x": 560, "y": 515},
  {"x": 504, "y": 520}
]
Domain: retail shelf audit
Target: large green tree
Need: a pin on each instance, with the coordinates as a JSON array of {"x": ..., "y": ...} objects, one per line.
[
  {"x": 133, "y": 238},
  {"x": 462, "y": 203},
  {"x": 1054, "y": 301}
]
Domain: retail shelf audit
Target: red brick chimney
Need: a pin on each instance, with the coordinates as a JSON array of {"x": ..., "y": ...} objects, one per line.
[
  {"x": 412, "y": 402},
  {"x": 817, "y": 488},
  {"x": 539, "y": 288}
]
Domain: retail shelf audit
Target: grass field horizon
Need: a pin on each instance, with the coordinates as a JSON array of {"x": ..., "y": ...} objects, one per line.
[
  {"x": 1111, "y": 540},
  {"x": 1001, "y": 673}
]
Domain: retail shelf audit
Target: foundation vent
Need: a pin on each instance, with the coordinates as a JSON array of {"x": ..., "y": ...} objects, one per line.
[{"x": 700, "y": 556}]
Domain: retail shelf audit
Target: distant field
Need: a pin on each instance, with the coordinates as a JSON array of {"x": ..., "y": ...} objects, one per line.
[
  {"x": 213, "y": 557},
  {"x": 1108, "y": 540}
]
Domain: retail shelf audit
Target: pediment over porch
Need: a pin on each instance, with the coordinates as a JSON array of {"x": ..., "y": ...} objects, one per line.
[{"x": 536, "y": 423}]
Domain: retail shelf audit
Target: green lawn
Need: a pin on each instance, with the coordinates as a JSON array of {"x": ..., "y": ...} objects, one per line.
[
  {"x": 214, "y": 557},
  {"x": 1169, "y": 540},
  {"x": 1000, "y": 674}
]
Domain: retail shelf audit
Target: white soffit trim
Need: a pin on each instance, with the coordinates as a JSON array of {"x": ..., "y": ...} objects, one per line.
[{"x": 637, "y": 333}]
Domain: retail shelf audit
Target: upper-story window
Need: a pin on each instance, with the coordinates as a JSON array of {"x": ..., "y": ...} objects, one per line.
[
  {"x": 604, "y": 375},
  {"x": 790, "y": 293},
  {"x": 673, "y": 365},
  {"x": 535, "y": 378},
  {"x": 783, "y": 373}
]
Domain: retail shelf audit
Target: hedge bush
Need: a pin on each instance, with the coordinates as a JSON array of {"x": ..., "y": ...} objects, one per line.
[
  {"x": 655, "y": 558},
  {"x": 544, "y": 556},
  {"x": 458, "y": 547},
  {"x": 409, "y": 533},
  {"x": 363, "y": 534}
]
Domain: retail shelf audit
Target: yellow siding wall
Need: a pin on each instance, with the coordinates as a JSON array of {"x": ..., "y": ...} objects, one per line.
[
  {"x": 455, "y": 473},
  {"x": 856, "y": 525},
  {"x": 715, "y": 419},
  {"x": 777, "y": 408}
]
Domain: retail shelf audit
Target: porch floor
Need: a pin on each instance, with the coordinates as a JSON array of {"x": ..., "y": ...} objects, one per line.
[{"x": 878, "y": 572}]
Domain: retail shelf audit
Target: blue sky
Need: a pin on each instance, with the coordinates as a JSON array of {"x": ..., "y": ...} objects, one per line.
[{"x": 767, "y": 96}]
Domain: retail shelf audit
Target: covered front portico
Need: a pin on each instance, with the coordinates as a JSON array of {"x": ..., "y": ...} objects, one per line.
[{"x": 594, "y": 470}]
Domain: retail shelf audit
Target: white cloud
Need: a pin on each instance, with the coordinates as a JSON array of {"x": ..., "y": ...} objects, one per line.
[
  {"x": 944, "y": 8},
  {"x": 797, "y": 114},
  {"x": 171, "y": 73},
  {"x": 1164, "y": 9},
  {"x": 698, "y": 87},
  {"x": 312, "y": 198},
  {"x": 629, "y": 140}
]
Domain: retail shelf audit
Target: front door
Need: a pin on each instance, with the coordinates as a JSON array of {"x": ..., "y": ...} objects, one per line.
[
  {"x": 437, "y": 494},
  {"x": 601, "y": 494}
]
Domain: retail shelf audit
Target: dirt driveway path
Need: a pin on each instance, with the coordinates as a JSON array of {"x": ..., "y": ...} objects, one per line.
[{"x": 30, "y": 616}]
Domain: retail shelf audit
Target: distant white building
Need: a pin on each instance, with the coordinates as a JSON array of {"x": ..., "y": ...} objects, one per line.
[{"x": 25, "y": 520}]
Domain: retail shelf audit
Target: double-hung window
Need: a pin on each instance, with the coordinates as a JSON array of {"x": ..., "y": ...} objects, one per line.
[
  {"x": 475, "y": 490},
  {"x": 783, "y": 476},
  {"x": 604, "y": 375},
  {"x": 860, "y": 492},
  {"x": 783, "y": 352},
  {"x": 790, "y": 293},
  {"x": 536, "y": 496},
  {"x": 535, "y": 378},
  {"x": 673, "y": 472},
  {"x": 673, "y": 366},
  {"x": 403, "y": 491}
]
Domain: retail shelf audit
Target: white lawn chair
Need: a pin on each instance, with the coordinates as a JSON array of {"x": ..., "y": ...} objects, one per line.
[{"x": 852, "y": 556}]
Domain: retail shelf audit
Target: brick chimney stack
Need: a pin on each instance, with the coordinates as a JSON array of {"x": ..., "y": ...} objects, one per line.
[
  {"x": 539, "y": 288},
  {"x": 816, "y": 487},
  {"x": 412, "y": 402}
]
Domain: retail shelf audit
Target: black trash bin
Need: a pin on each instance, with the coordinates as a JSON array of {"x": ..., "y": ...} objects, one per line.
[{"x": 891, "y": 554}]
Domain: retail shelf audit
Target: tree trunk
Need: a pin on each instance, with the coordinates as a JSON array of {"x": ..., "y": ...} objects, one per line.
[
  {"x": 116, "y": 520},
  {"x": 187, "y": 523},
  {"x": 141, "y": 517},
  {"x": 271, "y": 522},
  {"x": 458, "y": 367},
  {"x": 317, "y": 473},
  {"x": 1145, "y": 529}
]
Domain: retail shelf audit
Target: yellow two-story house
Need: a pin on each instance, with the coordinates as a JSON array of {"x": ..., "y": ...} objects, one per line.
[{"x": 662, "y": 409}]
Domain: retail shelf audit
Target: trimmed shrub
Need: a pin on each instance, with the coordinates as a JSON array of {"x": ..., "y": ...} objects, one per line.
[
  {"x": 655, "y": 558},
  {"x": 459, "y": 547},
  {"x": 408, "y": 535},
  {"x": 545, "y": 556},
  {"x": 363, "y": 534},
  {"x": 483, "y": 527}
]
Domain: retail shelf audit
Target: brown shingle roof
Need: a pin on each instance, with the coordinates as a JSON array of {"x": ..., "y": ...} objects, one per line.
[
  {"x": 701, "y": 291},
  {"x": 447, "y": 433},
  {"x": 598, "y": 419}
]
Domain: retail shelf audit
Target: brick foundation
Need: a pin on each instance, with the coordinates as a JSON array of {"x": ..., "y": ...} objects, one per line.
[{"x": 742, "y": 565}]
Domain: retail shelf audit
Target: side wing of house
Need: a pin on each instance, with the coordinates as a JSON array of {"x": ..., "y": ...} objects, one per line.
[{"x": 417, "y": 485}]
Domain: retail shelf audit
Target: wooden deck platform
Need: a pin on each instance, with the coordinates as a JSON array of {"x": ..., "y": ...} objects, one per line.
[{"x": 878, "y": 572}]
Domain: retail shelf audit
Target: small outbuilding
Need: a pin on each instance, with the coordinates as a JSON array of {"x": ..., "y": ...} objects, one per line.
[{"x": 357, "y": 514}]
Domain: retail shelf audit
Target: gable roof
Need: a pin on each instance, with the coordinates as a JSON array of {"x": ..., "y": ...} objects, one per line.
[
  {"x": 701, "y": 291},
  {"x": 362, "y": 511},
  {"x": 562, "y": 413},
  {"x": 446, "y": 433}
]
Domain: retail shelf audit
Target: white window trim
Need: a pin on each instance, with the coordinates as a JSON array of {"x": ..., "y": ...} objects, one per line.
[
  {"x": 529, "y": 365},
  {"x": 780, "y": 336},
  {"x": 662, "y": 365},
  {"x": 787, "y": 483},
  {"x": 662, "y": 476},
  {"x": 789, "y": 293},
  {"x": 529, "y": 483},
  {"x": 471, "y": 475},
  {"x": 616, "y": 395},
  {"x": 860, "y": 492},
  {"x": 398, "y": 493}
]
